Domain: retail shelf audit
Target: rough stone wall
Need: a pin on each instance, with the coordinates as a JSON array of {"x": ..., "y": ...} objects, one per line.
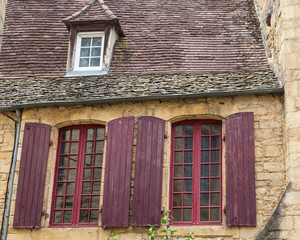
[
  {"x": 270, "y": 175},
  {"x": 2, "y": 15}
]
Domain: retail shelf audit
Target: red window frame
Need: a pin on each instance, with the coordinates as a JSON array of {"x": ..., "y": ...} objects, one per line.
[
  {"x": 88, "y": 176},
  {"x": 192, "y": 198}
]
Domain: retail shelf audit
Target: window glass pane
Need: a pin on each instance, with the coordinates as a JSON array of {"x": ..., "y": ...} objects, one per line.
[
  {"x": 215, "y": 214},
  {"x": 64, "y": 148},
  {"x": 215, "y": 184},
  {"x": 188, "y": 186},
  {"x": 84, "y": 214},
  {"x": 204, "y": 199},
  {"x": 59, "y": 201},
  {"x": 62, "y": 174},
  {"x": 188, "y": 157},
  {"x": 188, "y": 143},
  {"x": 178, "y": 143},
  {"x": 177, "y": 200},
  {"x": 90, "y": 134},
  {"x": 94, "y": 216},
  {"x": 204, "y": 170},
  {"x": 215, "y": 155},
  {"x": 187, "y": 199},
  {"x": 99, "y": 146},
  {"x": 215, "y": 128},
  {"x": 177, "y": 171},
  {"x": 85, "y": 201},
  {"x": 73, "y": 161},
  {"x": 204, "y": 142},
  {"x": 88, "y": 162},
  {"x": 86, "y": 187},
  {"x": 178, "y": 157},
  {"x": 74, "y": 147},
  {"x": 69, "y": 202},
  {"x": 60, "y": 188},
  {"x": 97, "y": 174},
  {"x": 97, "y": 41},
  {"x": 75, "y": 134},
  {"x": 95, "y": 62},
  {"x": 176, "y": 215},
  {"x": 67, "y": 216},
  {"x": 63, "y": 161},
  {"x": 187, "y": 215},
  {"x": 204, "y": 214},
  {"x": 215, "y": 142},
  {"x": 188, "y": 130},
  {"x": 205, "y": 128},
  {"x": 204, "y": 185},
  {"x": 71, "y": 174},
  {"x": 65, "y": 135},
  {"x": 96, "y": 51},
  {"x": 179, "y": 130},
  {"x": 215, "y": 199},
  {"x": 95, "y": 202},
  {"x": 70, "y": 188},
  {"x": 89, "y": 147},
  {"x": 188, "y": 171},
  {"x": 215, "y": 170},
  {"x": 96, "y": 187},
  {"x": 84, "y": 62},
  {"x": 85, "y": 42},
  {"x": 177, "y": 186},
  {"x": 100, "y": 133},
  {"x": 84, "y": 52},
  {"x": 87, "y": 175},
  {"x": 98, "y": 160},
  {"x": 57, "y": 216},
  {"x": 204, "y": 156}
]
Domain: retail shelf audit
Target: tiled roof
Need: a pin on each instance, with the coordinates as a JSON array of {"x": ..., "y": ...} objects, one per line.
[
  {"x": 162, "y": 37},
  {"x": 94, "y": 89}
]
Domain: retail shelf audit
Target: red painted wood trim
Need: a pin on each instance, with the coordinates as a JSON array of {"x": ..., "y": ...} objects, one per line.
[
  {"x": 240, "y": 170},
  {"x": 147, "y": 192},
  {"x": 117, "y": 173},
  {"x": 32, "y": 175}
]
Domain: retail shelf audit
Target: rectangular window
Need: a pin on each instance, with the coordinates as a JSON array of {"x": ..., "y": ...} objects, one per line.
[
  {"x": 76, "y": 192},
  {"x": 196, "y": 188},
  {"x": 89, "y": 51}
]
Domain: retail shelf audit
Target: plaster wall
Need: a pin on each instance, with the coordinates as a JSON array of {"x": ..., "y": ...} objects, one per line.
[{"x": 269, "y": 158}]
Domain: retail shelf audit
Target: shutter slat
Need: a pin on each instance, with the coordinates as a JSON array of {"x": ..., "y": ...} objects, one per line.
[
  {"x": 117, "y": 173},
  {"x": 240, "y": 170},
  {"x": 148, "y": 172},
  {"x": 32, "y": 175}
]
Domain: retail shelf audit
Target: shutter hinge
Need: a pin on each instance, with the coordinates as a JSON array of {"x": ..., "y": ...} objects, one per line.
[
  {"x": 224, "y": 138},
  {"x": 100, "y": 211},
  {"x": 166, "y": 136},
  {"x": 50, "y": 143},
  {"x": 105, "y": 137},
  {"x": 224, "y": 210}
]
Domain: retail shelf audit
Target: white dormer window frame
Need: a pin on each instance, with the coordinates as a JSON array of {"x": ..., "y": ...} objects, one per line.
[{"x": 89, "y": 51}]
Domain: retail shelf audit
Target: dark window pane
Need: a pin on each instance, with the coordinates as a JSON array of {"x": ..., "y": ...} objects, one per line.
[
  {"x": 188, "y": 157},
  {"x": 96, "y": 187},
  {"x": 176, "y": 215},
  {"x": 57, "y": 216},
  {"x": 188, "y": 186},
  {"x": 215, "y": 199},
  {"x": 71, "y": 174},
  {"x": 187, "y": 199},
  {"x": 83, "y": 62},
  {"x": 95, "y": 62},
  {"x": 65, "y": 135},
  {"x": 74, "y": 147},
  {"x": 85, "y": 201},
  {"x": 188, "y": 171},
  {"x": 215, "y": 214},
  {"x": 215, "y": 142},
  {"x": 75, "y": 134},
  {"x": 204, "y": 156},
  {"x": 188, "y": 130},
  {"x": 99, "y": 146},
  {"x": 204, "y": 142},
  {"x": 96, "y": 51},
  {"x": 179, "y": 130},
  {"x": 95, "y": 202},
  {"x": 59, "y": 201},
  {"x": 215, "y": 128},
  {"x": 62, "y": 175},
  {"x": 98, "y": 160},
  {"x": 177, "y": 200},
  {"x": 178, "y": 143},
  {"x": 70, "y": 188},
  {"x": 87, "y": 174},
  {"x": 86, "y": 187},
  {"x": 204, "y": 185},
  {"x": 64, "y": 148},
  {"x": 205, "y": 129},
  {"x": 100, "y": 133},
  {"x": 204, "y": 199},
  {"x": 89, "y": 147},
  {"x": 215, "y": 170},
  {"x": 69, "y": 202},
  {"x": 215, "y": 184},
  {"x": 178, "y": 157},
  {"x": 60, "y": 188},
  {"x": 97, "y": 41},
  {"x": 94, "y": 216},
  {"x": 73, "y": 161},
  {"x": 188, "y": 143},
  {"x": 177, "y": 171},
  {"x": 67, "y": 216},
  {"x": 88, "y": 162},
  {"x": 84, "y": 216},
  {"x": 204, "y": 214},
  {"x": 187, "y": 215},
  {"x": 91, "y": 134},
  {"x": 63, "y": 161},
  {"x": 204, "y": 170},
  {"x": 97, "y": 174},
  {"x": 85, "y": 52},
  {"x": 177, "y": 186},
  {"x": 215, "y": 156},
  {"x": 85, "y": 42}
]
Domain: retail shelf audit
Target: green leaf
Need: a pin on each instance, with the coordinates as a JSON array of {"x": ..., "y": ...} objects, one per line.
[
  {"x": 163, "y": 221},
  {"x": 163, "y": 231}
]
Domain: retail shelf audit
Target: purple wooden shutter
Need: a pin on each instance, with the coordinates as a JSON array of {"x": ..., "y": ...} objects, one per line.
[
  {"x": 117, "y": 173},
  {"x": 240, "y": 170},
  {"x": 32, "y": 175},
  {"x": 148, "y": 172}
]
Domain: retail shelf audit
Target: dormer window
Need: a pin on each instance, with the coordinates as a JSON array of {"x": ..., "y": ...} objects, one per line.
[{"x": 89, "y": 51}]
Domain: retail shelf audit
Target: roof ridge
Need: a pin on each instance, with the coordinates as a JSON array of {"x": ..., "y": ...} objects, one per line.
[{"x": 106, "y": 9}]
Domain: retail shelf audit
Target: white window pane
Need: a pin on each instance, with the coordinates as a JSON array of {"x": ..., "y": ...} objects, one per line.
[
  {"x": 96, "y": 52},
  {"x": 85, "y": 52},
  {"x": 97, "y": 41},
  {"x": 84, "y": 62},
  {"x": 85, "y": 42},
  {"x": 95, "y": 62}
]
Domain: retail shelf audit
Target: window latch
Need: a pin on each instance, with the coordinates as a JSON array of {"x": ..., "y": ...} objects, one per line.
[{"x": 224, "y": 210}]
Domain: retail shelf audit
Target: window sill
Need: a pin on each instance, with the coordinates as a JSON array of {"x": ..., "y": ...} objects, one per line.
[
  {"x": 73, "y": 226},
  {"x": 73, "y": 73}
]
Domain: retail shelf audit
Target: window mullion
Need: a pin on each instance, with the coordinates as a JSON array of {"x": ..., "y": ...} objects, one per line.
[{"x": 196, "y": 174}]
